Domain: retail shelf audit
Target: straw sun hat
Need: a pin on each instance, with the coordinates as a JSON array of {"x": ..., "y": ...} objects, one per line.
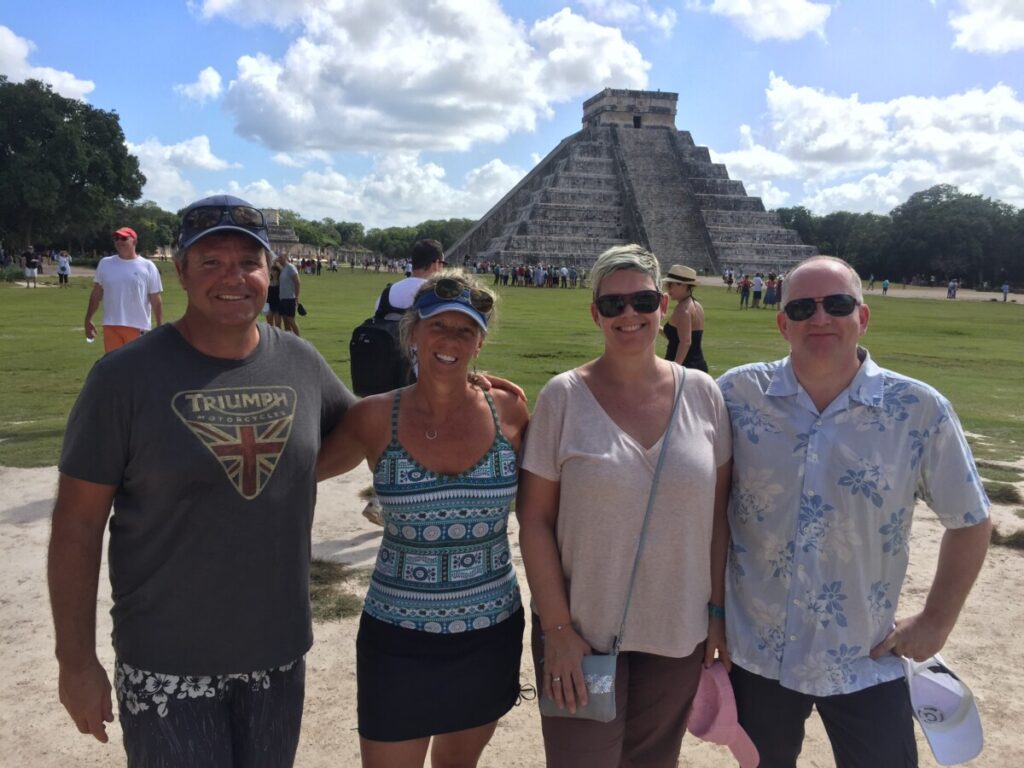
[{"x": 679, "y": 273}]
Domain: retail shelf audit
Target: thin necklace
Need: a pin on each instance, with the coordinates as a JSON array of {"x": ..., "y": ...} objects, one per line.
[{"x": 431, "y": 433}]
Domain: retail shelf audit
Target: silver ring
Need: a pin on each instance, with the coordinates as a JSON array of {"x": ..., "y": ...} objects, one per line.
[{"x": 556, "y": 679}]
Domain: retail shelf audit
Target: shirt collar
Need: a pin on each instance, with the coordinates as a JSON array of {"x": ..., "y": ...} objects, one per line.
[{"x": 867, "y": 386}]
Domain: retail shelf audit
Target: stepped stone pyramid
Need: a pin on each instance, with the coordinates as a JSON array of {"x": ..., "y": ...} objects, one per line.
[{"x": 630, "y": 176}]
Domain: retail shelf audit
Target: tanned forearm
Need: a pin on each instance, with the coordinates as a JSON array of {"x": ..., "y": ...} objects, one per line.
[
  {"x": 94, "y": 301},
  {"x": 73, "y": 567}
]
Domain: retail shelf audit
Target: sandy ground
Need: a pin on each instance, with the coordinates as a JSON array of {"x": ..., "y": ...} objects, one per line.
[{"x": 986, "y": 648}]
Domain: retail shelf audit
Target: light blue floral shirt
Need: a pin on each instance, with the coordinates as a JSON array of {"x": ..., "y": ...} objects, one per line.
[{"x": 820, "y": 514}]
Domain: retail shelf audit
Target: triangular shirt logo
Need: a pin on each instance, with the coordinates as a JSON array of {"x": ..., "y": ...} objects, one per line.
[{"x": 245, "y": 428}]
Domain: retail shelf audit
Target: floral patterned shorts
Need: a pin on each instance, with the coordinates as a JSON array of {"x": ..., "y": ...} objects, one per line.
[{"x": 248, "y": 719}]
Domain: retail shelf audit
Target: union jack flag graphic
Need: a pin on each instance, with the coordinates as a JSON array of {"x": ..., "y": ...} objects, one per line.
[{"x": 246, "y": 429}]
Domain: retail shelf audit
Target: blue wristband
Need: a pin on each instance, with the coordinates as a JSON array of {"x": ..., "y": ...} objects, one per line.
[{"x": 716, "y": 611}]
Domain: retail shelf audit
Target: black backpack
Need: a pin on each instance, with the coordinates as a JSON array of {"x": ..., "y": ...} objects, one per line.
[{"x": 378, "y": 363}]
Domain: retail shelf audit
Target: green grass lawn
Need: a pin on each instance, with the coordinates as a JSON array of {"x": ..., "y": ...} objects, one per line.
[{"x": 971, "y": 351}]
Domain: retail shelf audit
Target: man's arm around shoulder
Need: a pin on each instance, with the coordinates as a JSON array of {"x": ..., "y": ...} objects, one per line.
[{"x": 73, "y": 567}]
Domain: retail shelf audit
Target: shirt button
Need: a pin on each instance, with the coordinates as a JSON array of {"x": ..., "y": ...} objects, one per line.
[
  {"x": 817, "y": 423},
  {"x": 796, "y": 602},
  {"x": 792, "y": 638}
]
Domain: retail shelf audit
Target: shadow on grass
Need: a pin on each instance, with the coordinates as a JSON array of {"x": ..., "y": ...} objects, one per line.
[
  {"x": 1013, "y": 540},
  {"x": 27, "y": 513},
  {"x": 1002, "y": 493},
  {"x": 328, "y": 590},
  {"x": 998, "y": 472}
]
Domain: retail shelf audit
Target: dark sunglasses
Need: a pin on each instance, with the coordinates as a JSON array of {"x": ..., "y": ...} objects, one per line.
[
  {"x": 450, "y": 289},
  {"x": 209, "y": 216},
  {"x": 119, "y": 238},
  {"x": 614, "y": 304},
  {"x": 837, "y": 305}
]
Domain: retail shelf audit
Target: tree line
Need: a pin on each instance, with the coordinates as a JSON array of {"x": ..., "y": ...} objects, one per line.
[
  {"x": 940, "y": 232},
  {"x": 67, "y": 180}
]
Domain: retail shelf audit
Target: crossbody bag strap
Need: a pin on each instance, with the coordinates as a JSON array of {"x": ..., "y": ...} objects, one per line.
[{"x": 647, "y": 514}]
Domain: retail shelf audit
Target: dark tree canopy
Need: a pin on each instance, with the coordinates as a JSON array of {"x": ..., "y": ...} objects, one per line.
[
  {"x": 939, "y": 232},
  {"x": 64, "y": 166}
]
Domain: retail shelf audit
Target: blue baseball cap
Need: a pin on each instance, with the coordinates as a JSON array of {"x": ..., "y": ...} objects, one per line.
[{"x": 222, "y": 213}]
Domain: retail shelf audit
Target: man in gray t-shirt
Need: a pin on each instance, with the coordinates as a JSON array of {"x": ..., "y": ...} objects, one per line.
[
  {"x": 203, "y": 435},
  {"x": 288, "y": 291}
]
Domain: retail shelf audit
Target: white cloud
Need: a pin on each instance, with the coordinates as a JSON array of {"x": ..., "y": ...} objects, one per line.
[
  {"x": 770, "y": 195},
  {"x": 365, "y": 75},
  {"x": 164, "y": 167},
  {"x": 989, "y": 26},
  {"x": 770, "y": 19},
  {"x": 14, "y": 53},
  {"x": 754, "y": 161},
  {"x": 301, "y": 159},
  {"x": 207, "y": 86},
  {"x": 635, "y": 13},
  {"x": 871, "y": 156},
  {"x": 248, "y": 12},
  {"x": 399, "y": 190}
]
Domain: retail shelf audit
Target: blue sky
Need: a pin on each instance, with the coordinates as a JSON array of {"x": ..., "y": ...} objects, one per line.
[{"x": 390, "y": 112}]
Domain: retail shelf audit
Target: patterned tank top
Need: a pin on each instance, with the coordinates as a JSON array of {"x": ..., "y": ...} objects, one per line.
[{"x": 444, "y": 564}]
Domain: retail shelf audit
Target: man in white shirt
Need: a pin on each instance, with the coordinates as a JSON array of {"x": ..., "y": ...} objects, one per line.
[
  {"x": 427, "y": 257},
  {"x": 129, "y": 286}
]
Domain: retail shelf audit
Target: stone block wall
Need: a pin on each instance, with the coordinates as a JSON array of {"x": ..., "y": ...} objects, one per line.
[{"x": 613, "y": 183}]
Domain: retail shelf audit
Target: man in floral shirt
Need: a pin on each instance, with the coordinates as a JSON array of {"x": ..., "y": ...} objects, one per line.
[{"x": 830, "y": 454}]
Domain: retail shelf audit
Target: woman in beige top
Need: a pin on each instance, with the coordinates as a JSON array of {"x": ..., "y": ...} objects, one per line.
[{"x": 587, "y": 470}]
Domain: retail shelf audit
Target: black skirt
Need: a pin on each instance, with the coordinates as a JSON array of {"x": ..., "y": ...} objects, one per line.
[{"x": 413, "y": 684}]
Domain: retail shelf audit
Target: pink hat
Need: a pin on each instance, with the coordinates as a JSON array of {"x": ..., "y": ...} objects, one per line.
[{"x": 713, "y": 716}]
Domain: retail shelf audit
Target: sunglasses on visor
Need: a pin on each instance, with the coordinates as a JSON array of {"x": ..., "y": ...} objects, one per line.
[
  {"x": 450, "y": 289},
  {"x": 209, "y": 216},
  {"x": 836, "y": 304},
  {"x": 614, "y": 304}
]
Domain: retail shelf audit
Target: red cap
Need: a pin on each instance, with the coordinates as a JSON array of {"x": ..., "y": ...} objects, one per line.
[{"x": 127, "y": 232}]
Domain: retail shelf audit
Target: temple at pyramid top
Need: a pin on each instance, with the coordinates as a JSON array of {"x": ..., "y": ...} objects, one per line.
[
  {"x": 629, "y": 176},
  {"x": 634, "y": 109}
]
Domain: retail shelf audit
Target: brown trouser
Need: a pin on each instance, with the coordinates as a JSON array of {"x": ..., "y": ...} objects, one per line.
[{"x": 653, "y": 695}]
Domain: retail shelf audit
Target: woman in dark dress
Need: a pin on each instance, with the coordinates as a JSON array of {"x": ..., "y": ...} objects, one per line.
[{"x": 685, "y": 329}]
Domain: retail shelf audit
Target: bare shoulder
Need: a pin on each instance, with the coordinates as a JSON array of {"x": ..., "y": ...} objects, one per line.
[
  {"x": 510, "y": 407},
  {"x": 513, "y": 415},
  {"x": 370, "y": 415}
]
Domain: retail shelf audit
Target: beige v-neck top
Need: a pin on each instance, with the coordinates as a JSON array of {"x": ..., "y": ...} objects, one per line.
[{"x": 605, "y": 479}]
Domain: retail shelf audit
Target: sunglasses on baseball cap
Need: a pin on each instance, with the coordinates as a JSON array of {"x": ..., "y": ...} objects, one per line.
[
  {"x": 836, "y": 305},
  {"x": 614, "y": 304},
  {"x": 222, "y": 213},
  {"x": 451, "y": 295}
]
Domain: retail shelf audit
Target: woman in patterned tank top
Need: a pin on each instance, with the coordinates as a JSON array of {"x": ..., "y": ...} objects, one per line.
[{"x": 440, "y": 638}]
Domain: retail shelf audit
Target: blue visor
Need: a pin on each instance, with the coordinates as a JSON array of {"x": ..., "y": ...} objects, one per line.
[{"x": 429, "y": 304}]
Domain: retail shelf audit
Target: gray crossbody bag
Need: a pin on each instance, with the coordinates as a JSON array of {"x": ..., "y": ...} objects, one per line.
[{"x": 599, "y": 669}]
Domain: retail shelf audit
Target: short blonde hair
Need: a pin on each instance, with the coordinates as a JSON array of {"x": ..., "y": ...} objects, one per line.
[{"x": 632, "y": 256}]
